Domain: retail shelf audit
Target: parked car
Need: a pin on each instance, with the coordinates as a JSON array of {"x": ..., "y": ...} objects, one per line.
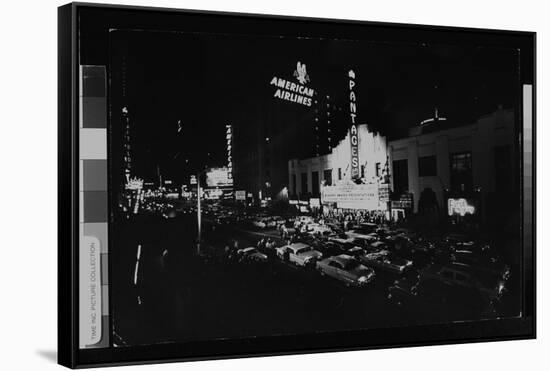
[
  {"x": 299, "y": 253},
  {"x": 330, "y": 248},
  {"x": 346, "y": 269},
  {"x": 317, "y": 228},
  {"x": 356, "y": 251},
  {"x": 358, "y": 234},
  {"x": 341, "y": 241},
  {"x": 455, "y": 238},
  {"x": 384, "y": 261},
  {"x": 377, "y": 246},
  {"x": 397, "y": 242},
  {"x": 481, "y": 262},
  {"x": 251, "y": 254},
  {"x": 490, "y": 284}
]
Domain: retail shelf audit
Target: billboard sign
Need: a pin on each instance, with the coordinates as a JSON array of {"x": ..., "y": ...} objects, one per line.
[{"x": 219, "y": 177}]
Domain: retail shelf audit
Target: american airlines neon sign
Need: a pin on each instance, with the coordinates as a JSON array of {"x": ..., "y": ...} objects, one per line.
[{"x": 294, "y": 92}]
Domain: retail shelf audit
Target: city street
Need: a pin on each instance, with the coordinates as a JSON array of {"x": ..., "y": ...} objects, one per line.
[{"x": 181, "y": 296}]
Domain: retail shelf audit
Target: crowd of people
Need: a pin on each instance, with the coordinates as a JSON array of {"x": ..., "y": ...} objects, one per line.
[{"x": 354, "y": 217}]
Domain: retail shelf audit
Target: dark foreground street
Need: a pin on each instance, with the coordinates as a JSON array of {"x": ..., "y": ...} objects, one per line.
[{"x": 178, "y": 296}]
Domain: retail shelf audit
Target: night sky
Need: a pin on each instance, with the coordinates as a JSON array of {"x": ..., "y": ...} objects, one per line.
[{"x": 208, "y": 81}]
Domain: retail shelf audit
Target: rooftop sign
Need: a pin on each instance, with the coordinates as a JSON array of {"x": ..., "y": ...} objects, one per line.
[{"x": 294, "y": 92}]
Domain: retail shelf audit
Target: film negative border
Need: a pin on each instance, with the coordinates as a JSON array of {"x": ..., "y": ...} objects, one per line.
[{"x": 93, "y": 206}]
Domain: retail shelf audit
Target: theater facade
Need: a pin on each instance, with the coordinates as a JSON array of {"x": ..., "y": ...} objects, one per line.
[
  {"x": 453, "y": 170},
  {"x": 332, "y": 178}
]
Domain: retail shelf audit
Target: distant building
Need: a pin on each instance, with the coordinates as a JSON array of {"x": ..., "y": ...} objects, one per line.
[
  {"x": 471, "y": 162},
  {"x": 326, "y": 131}
]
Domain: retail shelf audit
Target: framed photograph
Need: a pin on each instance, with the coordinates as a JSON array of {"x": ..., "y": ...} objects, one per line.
[{"x": 236, "y": 185}]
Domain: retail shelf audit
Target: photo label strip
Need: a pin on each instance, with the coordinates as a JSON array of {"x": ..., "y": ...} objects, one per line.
[{"x": 93, "y": 249}]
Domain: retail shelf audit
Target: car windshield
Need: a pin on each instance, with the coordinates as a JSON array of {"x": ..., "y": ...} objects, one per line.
[
  {"x": 303, "y": 250},
  {"x": 351, "y": 264}
]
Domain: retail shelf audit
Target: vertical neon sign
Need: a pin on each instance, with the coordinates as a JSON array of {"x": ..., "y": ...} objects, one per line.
[
  {"x": 354, "y": 140},
  {"x": 229, "y": 139}
]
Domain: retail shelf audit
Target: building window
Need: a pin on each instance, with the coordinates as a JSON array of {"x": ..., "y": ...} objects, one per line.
[
  {"x": 339, "y": 173},
  {"x": 461, "y": 171},
  {"x": 293, "y": 185},
  {"x": 427, "y": 166},
  {"x": 377, "y": 168},
  {"x": 362, "y": 171},
  {"x": 304, "y": 183},
  {"x": 315, "y": 182},
  {"x": 327, "y": 176},
  {"x": 400, "y": 176}
]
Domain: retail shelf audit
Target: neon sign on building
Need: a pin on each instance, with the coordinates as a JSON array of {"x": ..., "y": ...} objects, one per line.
[
  {"x": 459, "y": 206},
  {"x": 294, "y": 92},
  {"x": 229, "y": 139},
  {"x": 354, "y": 139}
]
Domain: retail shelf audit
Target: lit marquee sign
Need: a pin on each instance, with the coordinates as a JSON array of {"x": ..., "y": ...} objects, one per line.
[
  {"x": 354, "y": 139},
  {"x": 218, "y": 177},
  {"x": 354, "y": 196},
  {"x": 294, "y": 92},
  {"x": 459, "y": 206}
]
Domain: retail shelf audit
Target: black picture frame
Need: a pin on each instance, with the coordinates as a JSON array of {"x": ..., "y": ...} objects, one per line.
[{"x": 82, "y": 39}]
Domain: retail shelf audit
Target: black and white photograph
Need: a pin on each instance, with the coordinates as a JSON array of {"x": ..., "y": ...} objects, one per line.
[
  {"x": 266, "y": 186},
  {"x": 274, "y": 185}
]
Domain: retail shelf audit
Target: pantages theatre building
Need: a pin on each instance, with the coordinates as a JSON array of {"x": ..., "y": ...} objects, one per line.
[
  {"x": 459, "y": 171},
  {"x": 353, "y": 176}
]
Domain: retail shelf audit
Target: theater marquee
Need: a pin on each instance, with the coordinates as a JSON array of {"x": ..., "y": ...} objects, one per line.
[{"x": 354, "y": 196}]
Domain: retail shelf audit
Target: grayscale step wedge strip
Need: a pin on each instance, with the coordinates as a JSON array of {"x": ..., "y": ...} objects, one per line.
[{"x": 93, "y": 265}]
